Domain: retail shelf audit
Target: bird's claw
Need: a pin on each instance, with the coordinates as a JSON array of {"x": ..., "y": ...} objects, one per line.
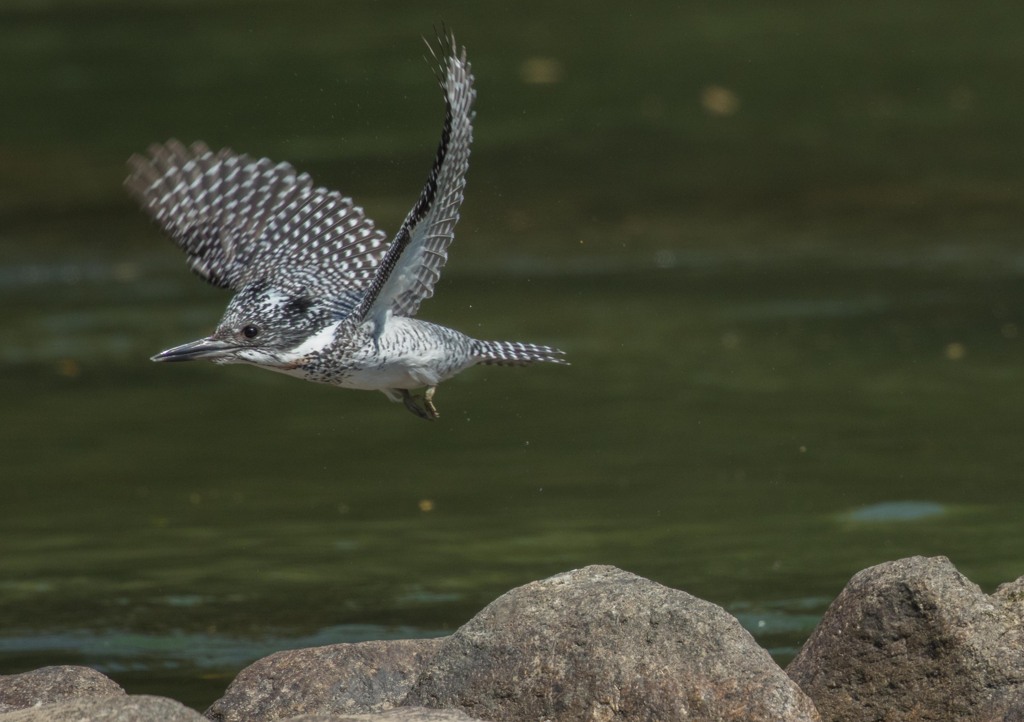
[
  {"x": 428, "y": 402},
  {"x": 428, "y": 411}
]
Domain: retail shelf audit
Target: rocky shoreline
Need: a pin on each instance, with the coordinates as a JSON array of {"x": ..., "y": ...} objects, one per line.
[{"x": 906, "y": 640}]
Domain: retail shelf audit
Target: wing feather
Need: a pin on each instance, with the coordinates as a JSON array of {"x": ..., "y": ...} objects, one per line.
[
  {"x": 413, "y": 263},
  {"x": 241, "y": 220}
]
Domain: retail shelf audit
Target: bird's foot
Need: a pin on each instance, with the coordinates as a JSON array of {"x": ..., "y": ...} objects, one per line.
[
  {"x": 428, "y": 402},
  {"x": 428, "y": 411}
]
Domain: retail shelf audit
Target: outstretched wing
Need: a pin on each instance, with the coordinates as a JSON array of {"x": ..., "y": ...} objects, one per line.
[
  {"x": 414, "y": 260},
  {"x": 241, "y": 220}
]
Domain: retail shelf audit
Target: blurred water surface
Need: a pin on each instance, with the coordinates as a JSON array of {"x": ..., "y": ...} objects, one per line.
[{"x": 781, "y": 245}]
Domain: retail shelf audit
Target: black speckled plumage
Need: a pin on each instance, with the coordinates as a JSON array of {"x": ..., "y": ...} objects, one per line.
[{"x": 318, "y": 292}]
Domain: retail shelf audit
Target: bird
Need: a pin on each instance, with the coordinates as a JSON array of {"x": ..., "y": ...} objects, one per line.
[{"x": 318, "y": 293}]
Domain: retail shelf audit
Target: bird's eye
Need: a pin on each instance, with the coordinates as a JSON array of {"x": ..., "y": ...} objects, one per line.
[{"x": 250, "y": 331}]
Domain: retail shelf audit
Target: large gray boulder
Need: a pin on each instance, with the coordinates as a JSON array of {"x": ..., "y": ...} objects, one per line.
[
  {"x": 118, "y": 708},
  {"x": 601, "y": 644},
  {"x": 915, "y": 640},
  {"x": 401, "y": 714},
  {"x": 54, "y": 684},
  {"x": 338, "y": 679}
]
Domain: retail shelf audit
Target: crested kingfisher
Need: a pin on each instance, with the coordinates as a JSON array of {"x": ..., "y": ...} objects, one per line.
[{"x": 319, "y": 294}]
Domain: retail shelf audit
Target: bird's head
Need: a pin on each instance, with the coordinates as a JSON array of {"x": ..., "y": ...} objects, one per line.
[{"x": 262, "y": 326}]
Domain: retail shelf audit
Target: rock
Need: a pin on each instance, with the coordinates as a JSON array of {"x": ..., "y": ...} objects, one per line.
[
  {"x": 600, "y": 644},
  {"x": 400, "y": 714},
  {"x": 915, "y": 640},
  {"x": 119, "y": 708},
  {"x": 53, "y": 684},
  {"x": 1003, "y": 706},
  {"x": 337, "y": 679}
]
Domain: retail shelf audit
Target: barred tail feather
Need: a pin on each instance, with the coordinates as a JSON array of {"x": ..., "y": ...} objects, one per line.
[{"x": 513, "y": 353}]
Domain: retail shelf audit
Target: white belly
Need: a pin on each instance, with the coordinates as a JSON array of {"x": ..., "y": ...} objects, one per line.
[{"x": 391, "y": 376}]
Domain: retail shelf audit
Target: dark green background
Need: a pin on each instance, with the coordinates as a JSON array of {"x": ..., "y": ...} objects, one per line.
[{"x": 787, "y": 310}]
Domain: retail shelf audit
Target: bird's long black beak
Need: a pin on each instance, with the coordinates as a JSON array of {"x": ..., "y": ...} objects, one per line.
[{"x": 204, "y": 348}]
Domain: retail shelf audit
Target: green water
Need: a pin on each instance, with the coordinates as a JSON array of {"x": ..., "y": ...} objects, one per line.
[{"x": 781, "y": 245}]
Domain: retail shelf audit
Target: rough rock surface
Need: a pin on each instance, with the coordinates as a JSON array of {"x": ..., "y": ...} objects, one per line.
[
  {"x": 915, "y": 640},
  {"x": 337, "y": 679},
  {"x": 120, "y": 708},
  {"x": 53, "y": 684},
  {"x": 401, "y": 714},
  {"x": 600, "y": 644}
]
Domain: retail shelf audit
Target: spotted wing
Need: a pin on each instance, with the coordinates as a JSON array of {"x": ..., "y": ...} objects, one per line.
[
  {"x": 417, "y": 254},
  {"x": 240, "y": 220}
]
